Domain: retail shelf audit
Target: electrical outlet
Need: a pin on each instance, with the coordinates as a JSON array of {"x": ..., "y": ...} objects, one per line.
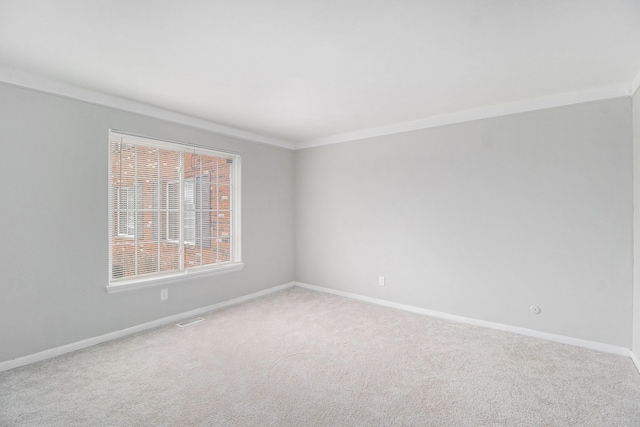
[
  {"x": 381, "y": 280},
  {"x": 164, "y": 294}
]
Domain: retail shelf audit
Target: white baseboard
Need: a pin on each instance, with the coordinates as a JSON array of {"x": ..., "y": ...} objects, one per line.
[
  {"x": 636, "y": 360},
  {"x": 592, "y": 345},
  {"x": 58, "y": 351}
]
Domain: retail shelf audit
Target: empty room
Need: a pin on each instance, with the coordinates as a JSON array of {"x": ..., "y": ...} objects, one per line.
[{"x": 320, "y": 213}]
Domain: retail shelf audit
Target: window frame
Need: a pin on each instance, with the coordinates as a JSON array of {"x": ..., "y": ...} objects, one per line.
[{"x": 116, "y": 282}]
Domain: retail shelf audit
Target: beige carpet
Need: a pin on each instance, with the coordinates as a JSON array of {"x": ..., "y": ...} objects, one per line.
[{"x": 300, "y": 358}]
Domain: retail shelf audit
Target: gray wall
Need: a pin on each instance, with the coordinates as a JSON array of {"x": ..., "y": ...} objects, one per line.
[
  {"x": 53, "y": 205},
  {"x": 481, "y": 219},
  {"x": 636, "y": 223}
]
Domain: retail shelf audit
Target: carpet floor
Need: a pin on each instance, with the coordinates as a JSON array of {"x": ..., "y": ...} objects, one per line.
[{"x": 301, "y": 358}]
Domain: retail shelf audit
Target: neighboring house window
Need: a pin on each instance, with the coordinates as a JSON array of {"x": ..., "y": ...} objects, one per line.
[
  {"x": 126, "y": 212},
  {"x": 174, "y": 210},
  {"x": 189, "y": 213},
  {"x": 172, "y": 195}
]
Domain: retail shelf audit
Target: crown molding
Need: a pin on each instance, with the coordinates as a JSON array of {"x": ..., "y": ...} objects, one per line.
[
  {"x": 43, "y": 84},
  {"x": 523, "y": 106}
]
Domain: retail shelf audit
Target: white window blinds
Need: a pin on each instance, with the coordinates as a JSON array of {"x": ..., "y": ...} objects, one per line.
[{"x": 173, "y": 209}]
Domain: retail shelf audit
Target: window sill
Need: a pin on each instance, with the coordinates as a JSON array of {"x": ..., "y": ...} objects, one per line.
[{"x": 129, "y": 285}]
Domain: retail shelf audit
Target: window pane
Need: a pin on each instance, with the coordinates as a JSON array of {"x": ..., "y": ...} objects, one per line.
[
  {"x": 224, "y": 249},
  {"x": 169, "y": 256},
  {"x": 122, "y": 259},
  {"x": 224, "y": 197},
  {"x": 192, "y": 256},
  {"x": 147, "y": 258},
  {"x": 224, "y": 224},
  {"x": 210, "y": 254}
]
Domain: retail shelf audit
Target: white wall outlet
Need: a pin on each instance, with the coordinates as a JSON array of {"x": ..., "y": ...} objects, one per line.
[
  {"x": 381, "y": 280},
  {"x": 535, "y": 309},
  {"x": 164, "y": 294}
]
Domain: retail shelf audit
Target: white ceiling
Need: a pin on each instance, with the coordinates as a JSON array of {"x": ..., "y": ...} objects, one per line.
[{"x": 299, "y": 71}]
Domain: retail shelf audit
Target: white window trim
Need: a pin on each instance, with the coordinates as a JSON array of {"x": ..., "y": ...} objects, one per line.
[
  {"x": 145, "y": 281},
  {"x": 151, "y": 281}
]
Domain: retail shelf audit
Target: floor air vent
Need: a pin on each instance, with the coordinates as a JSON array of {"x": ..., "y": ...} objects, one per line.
[{"x": 189, "y": 322}]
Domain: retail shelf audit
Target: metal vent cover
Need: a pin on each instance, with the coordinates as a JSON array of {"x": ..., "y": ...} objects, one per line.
[{"x": 189, "y": 322}]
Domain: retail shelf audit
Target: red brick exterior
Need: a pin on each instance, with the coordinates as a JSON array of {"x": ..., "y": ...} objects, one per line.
[{"x": 148, "y": 171}]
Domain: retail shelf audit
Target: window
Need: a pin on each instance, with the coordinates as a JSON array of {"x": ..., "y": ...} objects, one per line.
[{"x": 174, "y": 210}]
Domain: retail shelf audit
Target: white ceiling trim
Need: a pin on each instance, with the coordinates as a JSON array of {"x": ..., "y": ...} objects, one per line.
[
  {"x": 43, "y": 84},
  {"x": 523, "y": 106},
  {"x": 635, "y": 84}
]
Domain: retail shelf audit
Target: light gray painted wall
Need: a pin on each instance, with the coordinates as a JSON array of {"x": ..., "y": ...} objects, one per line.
[
  {"x": 636, "y": 223},
  {"x": 53, "y": 205},
  {"x": 481, "y": 219}
]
